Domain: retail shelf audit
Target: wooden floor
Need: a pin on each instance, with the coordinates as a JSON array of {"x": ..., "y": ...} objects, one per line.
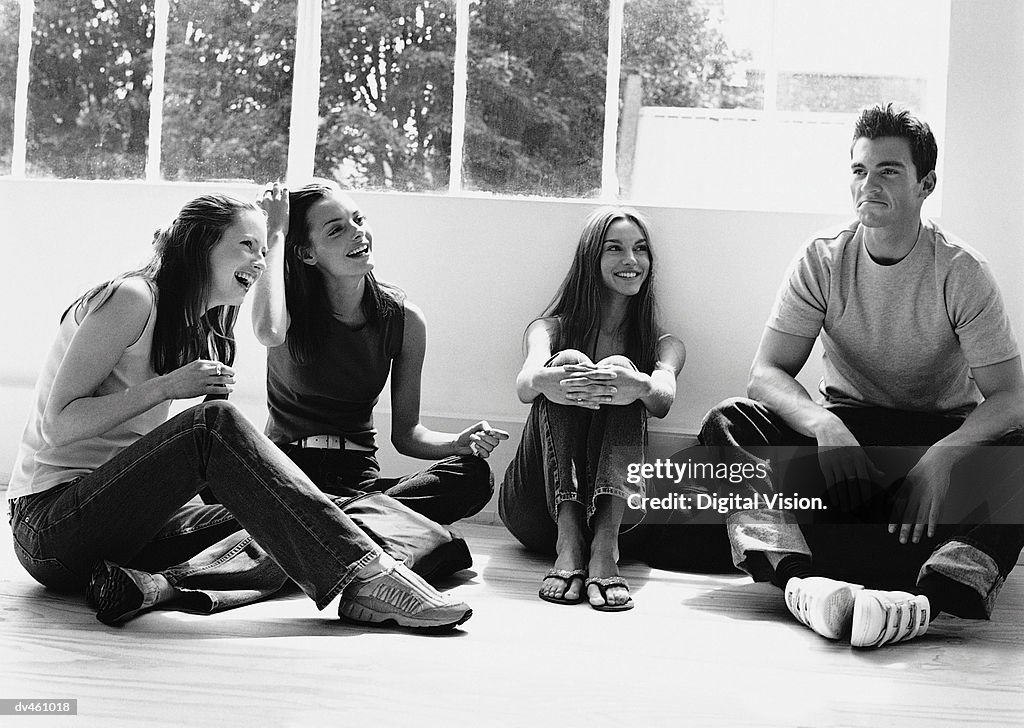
[{"x": 697, "y": 650}]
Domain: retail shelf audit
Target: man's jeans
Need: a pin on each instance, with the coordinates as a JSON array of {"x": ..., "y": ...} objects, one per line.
[
  {"x": 444, "y": 492},
  {"x": 134, "y": 511},
  {"x": 569, "y": 453},
  {"x": 974, "y": 555}
]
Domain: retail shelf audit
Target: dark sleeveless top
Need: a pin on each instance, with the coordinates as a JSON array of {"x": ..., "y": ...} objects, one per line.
[{"x": 335, "y": 392}]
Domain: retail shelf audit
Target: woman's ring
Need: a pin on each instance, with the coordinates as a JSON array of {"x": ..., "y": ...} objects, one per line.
[{"x": 218, "y": 370}]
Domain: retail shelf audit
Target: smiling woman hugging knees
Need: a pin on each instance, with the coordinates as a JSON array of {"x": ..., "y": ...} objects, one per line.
[{"x": 597, "y": 364}]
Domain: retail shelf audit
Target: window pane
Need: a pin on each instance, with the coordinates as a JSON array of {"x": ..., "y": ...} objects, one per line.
[
  {"x": 386, "y": 93},
  {"x": 228, "y": 86},
  {"x": 88, "y": 105},
  {"x": 686, "y": 55},
  {"x": 9, "y": 24},
  {"x": 680, "y": 54},
  {"x": 774, "y": 99},
  {"x": 536, "y": 86},
  {"x": 815, "y": 73}
]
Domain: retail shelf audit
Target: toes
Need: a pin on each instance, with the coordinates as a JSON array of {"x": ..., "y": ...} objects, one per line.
[
  {"x": 594, "y": 596},
  {"x": 554, "y": 588},
  {"x": 615, "y": 596},
  {"x": 573, "y": 592}
]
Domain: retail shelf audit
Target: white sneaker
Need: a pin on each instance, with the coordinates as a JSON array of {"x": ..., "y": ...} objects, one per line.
[
  {"x": 882, "y": 617},
  {"x": 397, "y": 594},
  {"x": 824, "y": 605}
]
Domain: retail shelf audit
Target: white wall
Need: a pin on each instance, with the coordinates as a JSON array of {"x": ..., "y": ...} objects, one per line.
[{"x": 482, "y": 268}]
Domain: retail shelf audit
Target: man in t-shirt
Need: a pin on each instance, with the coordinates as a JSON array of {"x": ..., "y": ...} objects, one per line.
[{"x": 918, "y": 351}]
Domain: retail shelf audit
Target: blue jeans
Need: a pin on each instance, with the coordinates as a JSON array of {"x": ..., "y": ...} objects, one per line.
[
  {"x": 971, "y": 559},
  {"x": 569, "y": 453},
  {"x": 444, "y": 492},
  {"x": 134, "y": 511}
]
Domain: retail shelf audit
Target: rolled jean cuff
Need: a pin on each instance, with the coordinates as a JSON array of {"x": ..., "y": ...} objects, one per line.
[
  {"x": 968, "y": 565},
  {"x": 346, "y": 578},
  {"x": 753, "y": 533},
  {"x": 560, "y": 498}
]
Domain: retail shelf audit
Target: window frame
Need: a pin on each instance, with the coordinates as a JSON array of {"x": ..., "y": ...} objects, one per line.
[{"x": 303, "y": 128}]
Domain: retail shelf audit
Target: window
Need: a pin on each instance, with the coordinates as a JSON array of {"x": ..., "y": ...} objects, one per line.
[
  {"x": 701, "y": 103},
  {"x": 9, "y": 29},
  {"x": 227, "y": 89},
  {"x": 89, "y": 78},
  {"x": 386, "y": 93},
  {"x": 536, "y": 89},
  {"x": 780, "y": 86}
]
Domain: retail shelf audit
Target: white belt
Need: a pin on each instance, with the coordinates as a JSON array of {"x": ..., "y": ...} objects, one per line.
[{"x": 330, "y": 442}]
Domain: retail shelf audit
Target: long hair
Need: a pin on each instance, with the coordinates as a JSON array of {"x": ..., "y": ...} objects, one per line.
[
  {"x": 577, "y": 305},
  {"x": 309, "y": 310},
  {"x": 180, "y": 271}
]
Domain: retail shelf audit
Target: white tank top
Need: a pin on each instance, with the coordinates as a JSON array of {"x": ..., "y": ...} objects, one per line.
[{"x": 40, "y": 466}]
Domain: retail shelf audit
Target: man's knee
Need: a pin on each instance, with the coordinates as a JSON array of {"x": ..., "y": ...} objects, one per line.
[{"x": 723, "y": 416}]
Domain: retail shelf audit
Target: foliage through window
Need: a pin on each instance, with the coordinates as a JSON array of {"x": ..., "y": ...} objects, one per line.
[
  {"x": 9, "y": 29},
  {"x": 709, "y": 99},
  {"x": 89, "y": 80},
  {"x": 386, "y": 93},
  {"x": 228, "y": 88}
]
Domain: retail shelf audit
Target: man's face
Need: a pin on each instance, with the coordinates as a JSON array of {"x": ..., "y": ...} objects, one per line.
[{"x": 884, "y": 184}]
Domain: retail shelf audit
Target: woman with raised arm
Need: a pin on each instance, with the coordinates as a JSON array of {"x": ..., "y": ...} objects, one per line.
[
  {"x": 334, "y": 333},
  {"x": 102, "y": 477},
  {"x": 597, "y": 364}
]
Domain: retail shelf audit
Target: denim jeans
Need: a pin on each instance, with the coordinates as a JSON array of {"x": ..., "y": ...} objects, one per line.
[
  {"x": 134, "y": 510},
  {"x": 978, "y": 556},
  {"x": 569, "y": 453},
  {"x": 444, "y": 492}
]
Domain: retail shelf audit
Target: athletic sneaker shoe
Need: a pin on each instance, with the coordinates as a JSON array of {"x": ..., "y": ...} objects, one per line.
[
  {"x": 824, "y": 605},
  {"x": 883, "y": 617},
  {"x": 118, "y": 594},
  {"x": 397, "y": 595}
]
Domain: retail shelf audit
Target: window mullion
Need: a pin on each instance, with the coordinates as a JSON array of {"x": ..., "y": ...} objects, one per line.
[
  {"x": 609, "y": 178},
  {"x": 305, "y": 91},
  {"x": 156, "y": 91},
  {"x": 459, "y": 96},
  {"x": 20, "y": 141}
]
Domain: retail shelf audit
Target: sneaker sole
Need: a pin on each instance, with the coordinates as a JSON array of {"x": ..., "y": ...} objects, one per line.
[
  {"x": 837, "y": 611},
  {"x": 357, "y": 614},
  {"x": 113, "y": 594}
]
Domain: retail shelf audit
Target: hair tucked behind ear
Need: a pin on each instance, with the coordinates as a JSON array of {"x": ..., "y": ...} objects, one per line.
[
  {"x": 180, "y": 273},
  {"x": 577, "y": 305},
  {"x": 309, "y": 311}
]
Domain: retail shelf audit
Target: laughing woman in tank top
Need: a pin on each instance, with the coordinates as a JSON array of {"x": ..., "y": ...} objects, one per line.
[{"x": 334, "y": 333}]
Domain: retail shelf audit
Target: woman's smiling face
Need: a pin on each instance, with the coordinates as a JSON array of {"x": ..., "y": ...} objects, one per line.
[
  {"x": 625, "y": 258},
  {"x": 238, "y": 259},
  {"x": 341, "y": 242}
]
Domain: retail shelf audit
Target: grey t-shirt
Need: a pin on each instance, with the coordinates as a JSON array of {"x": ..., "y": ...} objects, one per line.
[{"x": 902, "y": 336}]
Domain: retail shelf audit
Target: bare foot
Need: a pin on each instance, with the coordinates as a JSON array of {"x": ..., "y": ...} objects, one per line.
[
  {"x": 604, "y": 562},
  {"x": 571, "y": 547},
  {"x": 571, "y": 556}
]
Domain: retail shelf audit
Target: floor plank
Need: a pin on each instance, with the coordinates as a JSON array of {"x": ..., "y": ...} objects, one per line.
[{"x": 697, "y": 650}]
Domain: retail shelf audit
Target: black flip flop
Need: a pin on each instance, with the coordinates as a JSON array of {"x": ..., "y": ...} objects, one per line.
[
  {"x": 603, "y": 584},
  {"x": 566, "y": 575}
]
